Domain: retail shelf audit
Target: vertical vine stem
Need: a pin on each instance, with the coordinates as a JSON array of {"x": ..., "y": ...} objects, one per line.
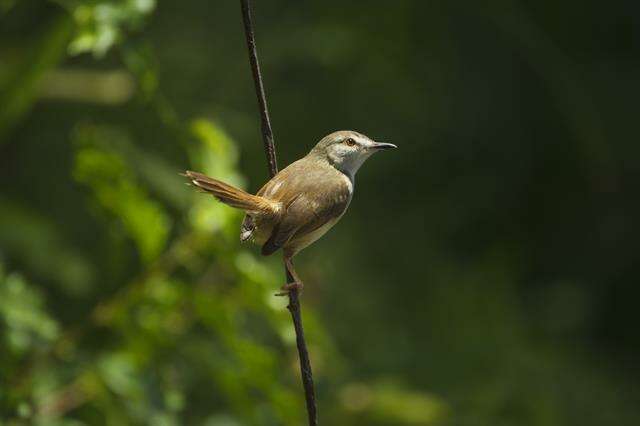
[
  {"x": 270, "y": 151},
  {"x": 267, "y": 133}
]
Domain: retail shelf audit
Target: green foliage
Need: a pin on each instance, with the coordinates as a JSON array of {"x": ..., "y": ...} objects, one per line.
[
  {"x": 115, "y": 189},
  {"x": 103, "y": 24},
  {"x": 26, "y": 326},
  {"x": 190, "y": 328}
]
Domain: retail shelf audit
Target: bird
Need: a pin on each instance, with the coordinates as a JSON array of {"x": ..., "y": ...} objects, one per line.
[{"x": 303, "y": 201}]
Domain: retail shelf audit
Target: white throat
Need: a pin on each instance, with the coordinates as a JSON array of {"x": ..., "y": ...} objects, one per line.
[{"x": 351, "y": 164}]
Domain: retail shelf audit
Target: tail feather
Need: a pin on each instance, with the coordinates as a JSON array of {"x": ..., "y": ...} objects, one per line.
[{"x": 231, "y": 195}]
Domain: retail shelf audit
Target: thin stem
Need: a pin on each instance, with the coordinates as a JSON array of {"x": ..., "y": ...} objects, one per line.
[
  {"x": 303, "y": 353},
  {"x": 270, "y": 151},
  {"x": 267, "y": 133}
]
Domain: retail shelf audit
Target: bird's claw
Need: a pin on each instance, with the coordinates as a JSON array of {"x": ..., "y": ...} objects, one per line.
[{"x": 287, "y": 288}]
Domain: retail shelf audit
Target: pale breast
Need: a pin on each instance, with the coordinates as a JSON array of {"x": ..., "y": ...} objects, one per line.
[
  {"x": 299, "y": 242},
  {"x": 329, "y": 202}
]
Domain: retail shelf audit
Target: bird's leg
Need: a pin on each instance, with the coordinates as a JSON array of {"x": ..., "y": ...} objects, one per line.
[
  {"x": 295, "y": 282},
  {"x": 288, "y": 263}
]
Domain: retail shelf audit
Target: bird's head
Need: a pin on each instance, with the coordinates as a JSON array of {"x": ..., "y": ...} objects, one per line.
[{"x": 346, "y": 150}]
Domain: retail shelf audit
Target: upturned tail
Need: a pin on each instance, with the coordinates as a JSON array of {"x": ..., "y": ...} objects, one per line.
[{"x": 232, "y": 196}]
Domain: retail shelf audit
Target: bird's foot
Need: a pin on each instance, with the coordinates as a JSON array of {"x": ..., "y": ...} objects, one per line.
[{"x": 287, "y": 288}]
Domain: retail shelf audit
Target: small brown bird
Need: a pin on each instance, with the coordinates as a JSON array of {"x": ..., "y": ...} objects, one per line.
[{"x": 303, "y": 201}]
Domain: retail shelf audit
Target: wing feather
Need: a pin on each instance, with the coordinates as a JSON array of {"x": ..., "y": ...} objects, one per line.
[{"x": 311, "y": 195}]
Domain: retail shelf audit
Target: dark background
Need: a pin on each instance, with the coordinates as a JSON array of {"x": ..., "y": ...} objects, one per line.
[{"x": 485, "y": 273}]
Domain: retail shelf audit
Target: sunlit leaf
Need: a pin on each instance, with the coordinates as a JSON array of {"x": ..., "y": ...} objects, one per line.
[
  {"x": 24, "y": 321},
  {"x": 119, "y": 371},
  {"x": 101, "y": 24},
  {"x": 215, "y": 155}
]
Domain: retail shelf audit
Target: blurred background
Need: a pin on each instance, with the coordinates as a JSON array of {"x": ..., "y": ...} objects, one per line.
[{"x": 485, "y": 273}]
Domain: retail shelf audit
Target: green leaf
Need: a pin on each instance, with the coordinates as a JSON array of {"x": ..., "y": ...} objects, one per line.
[
  {"x": 215, "y": 155},
  {"x": 116, "y": 190},
  {"x": 119, "y": 371},
  {"x": 24, "y": 322},
  {"x": 101, "y": 25}
]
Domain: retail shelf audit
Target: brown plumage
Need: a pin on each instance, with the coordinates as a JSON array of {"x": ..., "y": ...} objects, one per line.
[
  {"x": 232, "y": 196},
  {"x": 304, "y": 200},
  {"x": 290, "y": 211}
]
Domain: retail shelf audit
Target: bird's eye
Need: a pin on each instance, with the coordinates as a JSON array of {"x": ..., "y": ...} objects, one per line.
[{"x": 350, "y": 142}]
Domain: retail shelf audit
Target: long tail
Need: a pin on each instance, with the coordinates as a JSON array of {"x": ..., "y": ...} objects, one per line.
[{"x": 233, "y": 196}]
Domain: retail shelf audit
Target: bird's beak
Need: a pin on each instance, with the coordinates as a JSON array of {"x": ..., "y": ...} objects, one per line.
[{"x": 379, "y": 146}]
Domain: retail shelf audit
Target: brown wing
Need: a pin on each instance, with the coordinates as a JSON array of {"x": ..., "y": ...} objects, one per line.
[
  {"x": 311, "y": 195},
  {"x": 290, "y": 181},
  {"x": 274, "y": 190}
]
